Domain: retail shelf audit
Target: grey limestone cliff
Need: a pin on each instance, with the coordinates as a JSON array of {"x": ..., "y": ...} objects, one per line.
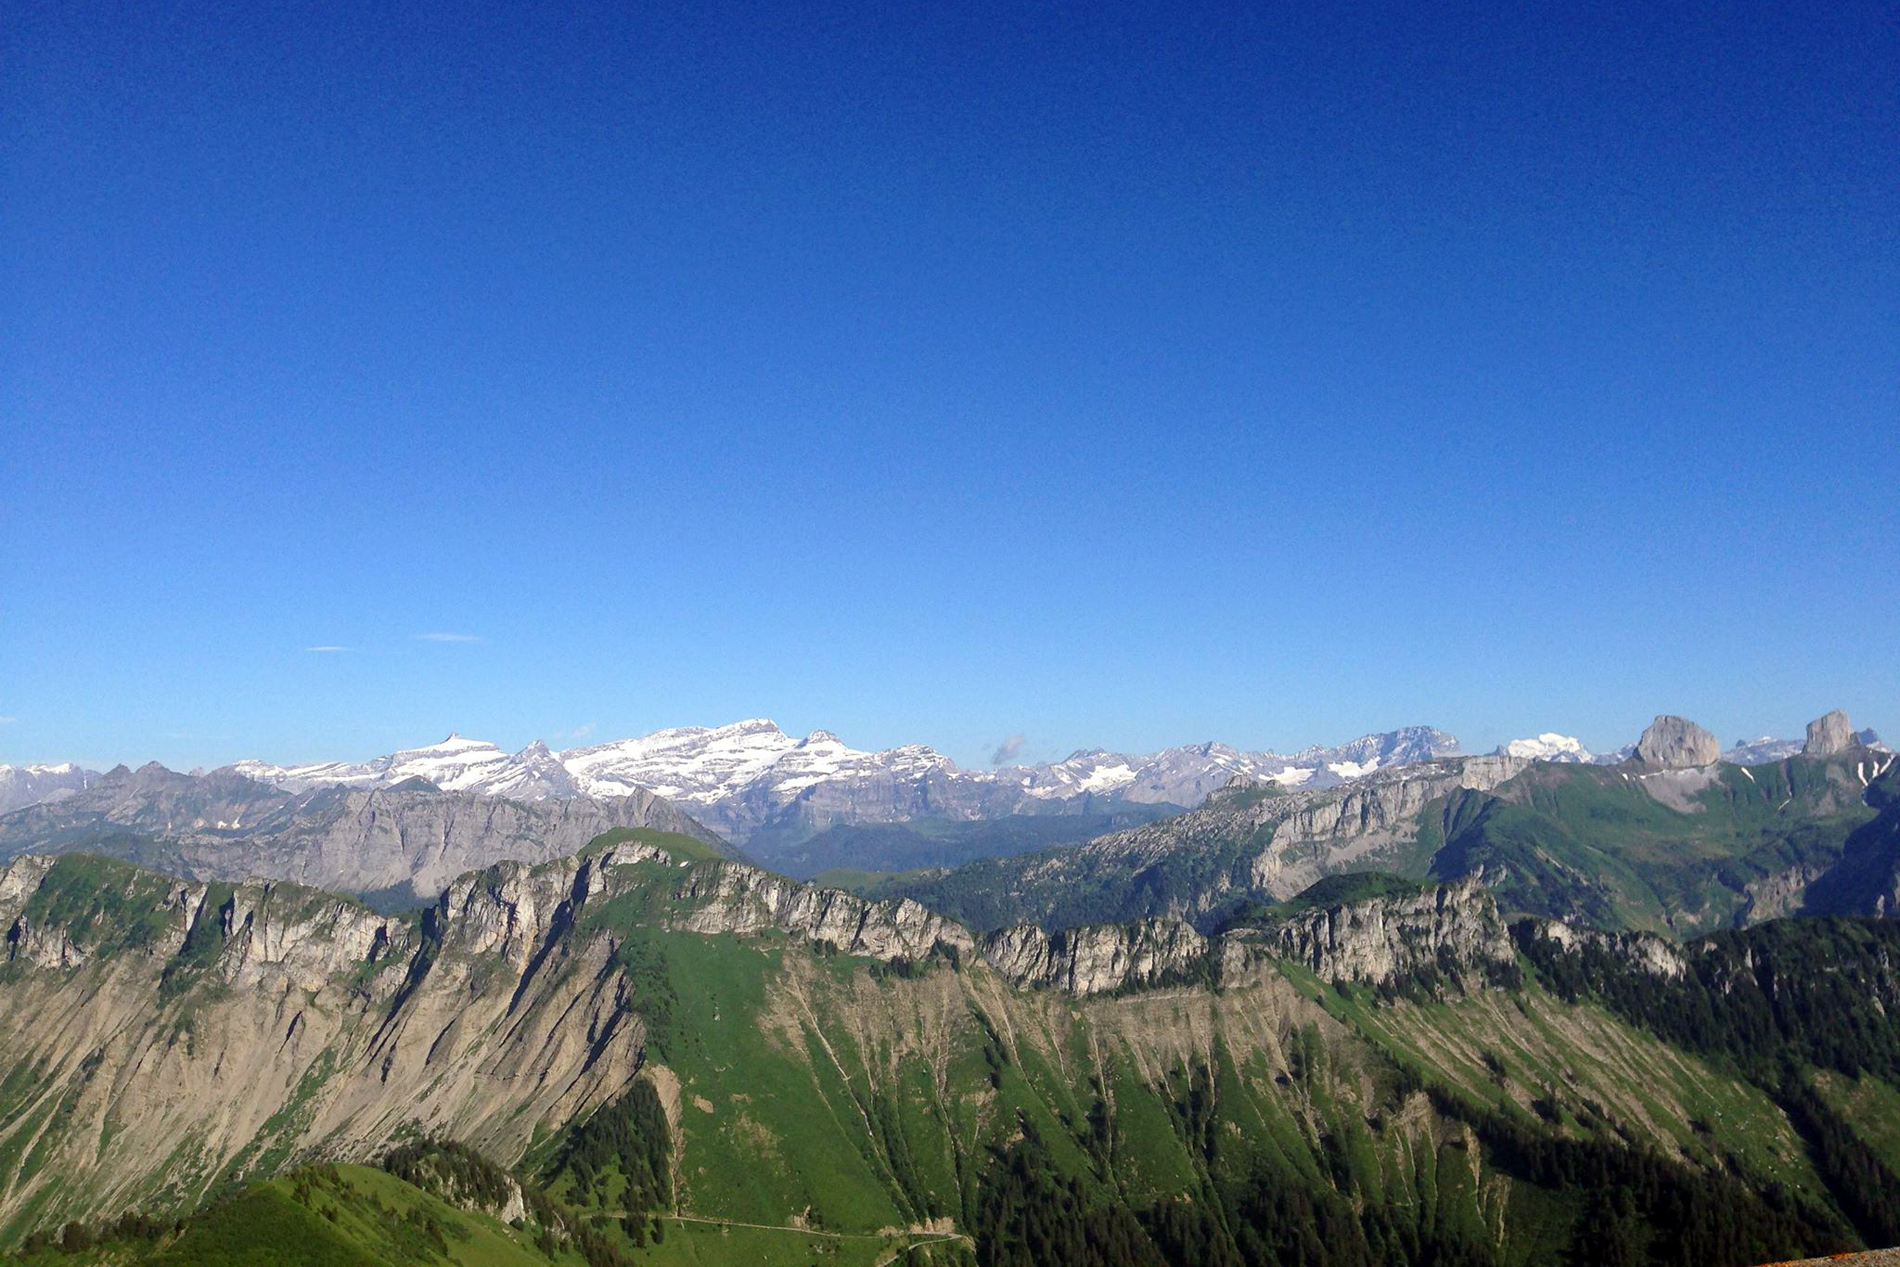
[
  {"x": 1830, "y": 734},
  {"x": 1675, "y": 743},
  {"x": 1097, "y": 959},
  {"x": 1450, "y": 929}
]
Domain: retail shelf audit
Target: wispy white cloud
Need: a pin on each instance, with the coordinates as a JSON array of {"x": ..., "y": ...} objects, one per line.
[
  {"x": 8, "y": 721},
  {"x": 447, "y": 637},
  {"x": 581, "y": 732},
  {"x": 329, "y": 650}
]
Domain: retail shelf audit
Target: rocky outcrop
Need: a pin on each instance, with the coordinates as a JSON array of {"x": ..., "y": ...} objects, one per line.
[
  {"x": 1655, "y": 955},
  {"x": 1452, "y": 929},
  {"x": 1249, "y": 840},
  {"x": 284, "y": 935},
  {"x": 1099, "y": 959},
  {"x": 1675, "y": 743},
  {"x": 733, "y": 898},
  {"x": 1829, "y": 735},
  {"x": 41, "y": 946}
]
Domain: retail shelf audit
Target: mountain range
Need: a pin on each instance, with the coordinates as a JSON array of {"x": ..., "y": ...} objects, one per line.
[
  {"x": 399, "y": 826},
  {"x": 760, "y": 787},
  {"x": 770, "y": 792},
  {"x": 1675, "y": 839},
  {"x": 1460, "y": 1010}
]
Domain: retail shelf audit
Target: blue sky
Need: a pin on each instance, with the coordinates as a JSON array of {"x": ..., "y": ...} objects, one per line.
[{"x": 1120, "y": 375}]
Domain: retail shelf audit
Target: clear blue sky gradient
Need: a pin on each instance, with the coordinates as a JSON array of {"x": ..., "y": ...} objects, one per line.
[{"x": 1120, "y": 375}]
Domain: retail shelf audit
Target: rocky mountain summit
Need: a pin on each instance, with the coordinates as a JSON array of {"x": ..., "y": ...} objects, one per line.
[
  {"x": 1830, "y": 734},
  {"x": 1675, "y": 743}
]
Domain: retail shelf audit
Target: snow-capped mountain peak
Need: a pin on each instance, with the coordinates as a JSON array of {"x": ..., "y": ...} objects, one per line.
[{"x": 1546, "y": 747}]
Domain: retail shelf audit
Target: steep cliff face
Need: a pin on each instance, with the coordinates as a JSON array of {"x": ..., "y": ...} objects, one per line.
[
  {"x": 279, "y": 1021},
  {"x": 1643, "y": 951},
  {"x": 1330, "y": 832},
  {"x": 1098, "y": 959},
  {"x": 739, "y": 899},
  {"x": 232, "y": 1028},
  {"x": 1830, "y": 734},
  {"x": 1449, "y": 929}
]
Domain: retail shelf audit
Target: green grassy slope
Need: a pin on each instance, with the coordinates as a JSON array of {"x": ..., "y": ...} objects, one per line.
[
  {"x": 681, "y": 846},
  {"x": 321, "y": 1216},
  {"x": 1595, "y": 843}
]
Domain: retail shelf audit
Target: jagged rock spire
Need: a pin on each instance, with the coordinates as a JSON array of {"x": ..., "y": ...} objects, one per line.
[{"x": 1829, "y": 734}]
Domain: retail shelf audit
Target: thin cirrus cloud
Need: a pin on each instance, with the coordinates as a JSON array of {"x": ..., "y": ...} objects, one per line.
[
  {"x": 329, "y": 650},
  {"x": 446, "y": 637}
]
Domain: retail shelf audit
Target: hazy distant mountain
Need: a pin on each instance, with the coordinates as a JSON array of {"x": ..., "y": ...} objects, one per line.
[
  {"x": 454, "y": 765},
  {"x": 410, "y": 836},
  {"x": 30, "y": 784}
]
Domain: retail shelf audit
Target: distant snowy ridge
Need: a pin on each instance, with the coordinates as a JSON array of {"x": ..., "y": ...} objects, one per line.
[{"x": 743, "y": 776}]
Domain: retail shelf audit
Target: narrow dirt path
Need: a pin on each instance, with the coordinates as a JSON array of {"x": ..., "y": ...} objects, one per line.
[
  {"x": 811, "y": 1231},
  {"x": 935, "y": 1240}
]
